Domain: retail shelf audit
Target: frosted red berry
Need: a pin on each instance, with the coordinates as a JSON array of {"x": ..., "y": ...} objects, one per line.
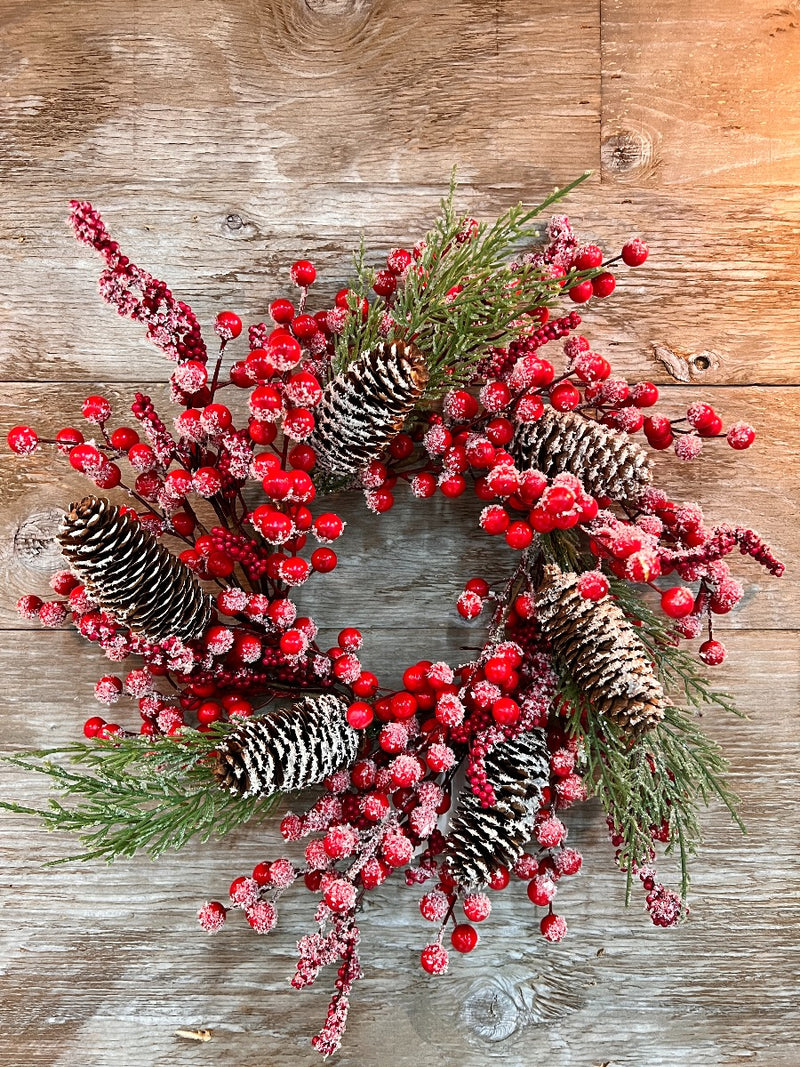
[
  {"x": 553, "y": 927},
  {"x": 96, "y": 409},
  {"x": 634, "y": 252},
  {"x": 477, "y": 907},
  {"x": 712, "y": 652},
  {"x": 212, "y": 916},
  {"x": 434, "y": 959},
  {"x": 227, "y": 325}
]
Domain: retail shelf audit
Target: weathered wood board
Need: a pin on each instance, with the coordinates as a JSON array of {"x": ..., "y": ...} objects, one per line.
[{"x": 224, "y": 140}]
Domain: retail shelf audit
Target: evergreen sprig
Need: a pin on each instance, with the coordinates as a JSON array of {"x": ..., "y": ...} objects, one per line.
[
  {"x": 661, "y": 778},
  {"x": 137, "y": 794},
  {"x": 461, "y": 297}
]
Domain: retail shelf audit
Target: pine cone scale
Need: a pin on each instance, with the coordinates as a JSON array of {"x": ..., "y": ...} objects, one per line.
[
  {"x": 366, "y": 405},
  {"x": 481, "y": 838},
  {"x": 607, "y": 461},
  {"x": 128, "y": 573},
  {"x": 598, "y": 648},
  {"x": 291, "y": 749}
]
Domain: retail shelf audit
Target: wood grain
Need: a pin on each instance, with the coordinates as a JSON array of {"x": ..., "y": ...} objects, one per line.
[
  {"x": 701, "y": 95},
  {"x": 223, "y": 141}
]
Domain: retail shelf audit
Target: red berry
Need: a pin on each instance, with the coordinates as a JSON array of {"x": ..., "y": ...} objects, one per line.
[
  {"x": 592, "y": 585},
  {"x": 604, "y": 284},
  {"x": 499, "y": 878},
  {"x": 677, "y": 602},
  {"x": 215, "y": 418},
  {"x": 399, "y": 260},
  {"x": 741, "y": 435},
  {"x": 494, "y": 519},
  {"x": 564, "y": 396},
  {"x": 303, "y": 273},
  {"x": 67, "y": 437},
  {"x": 328, "y": 526},
  {"x": 519, "y": 535},
  {"x": 434, "y": 959},
  {"x": 282, "y": 311},
  {"x": 453, "y": 486},
  {"x": 500, "y": 432},
  {"x": 529, "y": 407},
  {"x": 505, "y": 711},
  {"x": 93, "y": 726},
  {"x": 85, "y": 458},
  {"x": 553, "y": 927},
  {"x": 304, "y": 327},
  {"x": 477, "y": 907},
  {"x": 589, "y": 257},
  {"x": 227, "y": 325},
  {"x": 360, "y": 715},
  {"x": 479, "y": 586},
  {"x": 464, "y": 938},
  {"x": 541, "y": 890},
  {"x": 644, "y": 394},
  {"x": 350, "y": 639},
  {"x": 212, "y": 916},
  {"x": 497, "y": 670},
  {"x": 582, "y": 292},
  {"x": 712, "y": 652},
  {"x": 96, "y": 409},
  {"x": 384, "y": 283},
  {"x": 634, "y": 252},
  {"x": 323, "y": 560},
  {"x": 124, "y": 438}
]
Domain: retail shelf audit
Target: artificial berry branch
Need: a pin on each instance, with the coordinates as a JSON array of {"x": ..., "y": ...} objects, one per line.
[{"x": 454, "y": 369}]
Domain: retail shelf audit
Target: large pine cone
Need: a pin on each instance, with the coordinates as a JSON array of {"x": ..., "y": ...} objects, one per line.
[
  {"x": 290, "y": 749},
  {"x": 365, "y": 406},
  {"x": 594, "y": 643},
  {"x": 131, "y": 575},
  {"x": 608, "y": 462},
  {"x": 481, "y": 838}
]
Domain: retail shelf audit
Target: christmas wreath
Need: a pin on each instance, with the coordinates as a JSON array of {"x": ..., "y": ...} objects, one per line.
[{"x": 427, "y": 376}]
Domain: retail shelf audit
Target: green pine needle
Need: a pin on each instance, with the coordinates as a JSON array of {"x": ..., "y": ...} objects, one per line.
[
  {"x": 663, "y": 777},
  {"x": 455, "y": 332},
  {"x": 137, "y": 794}
]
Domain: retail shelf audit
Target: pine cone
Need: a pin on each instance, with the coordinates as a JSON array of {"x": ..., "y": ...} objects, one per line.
[
  {"x": 607, "y": 461},
  {"x": 290, "y": 749},
  {"x": 481, "y": 838},
  {"x": 366, "y": 405},
  {"x": 598, "y": 647},
  {"x": 128, "y": 573}
]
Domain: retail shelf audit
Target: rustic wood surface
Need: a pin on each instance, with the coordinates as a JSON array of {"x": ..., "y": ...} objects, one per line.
[{"x": 224, "y": 139}]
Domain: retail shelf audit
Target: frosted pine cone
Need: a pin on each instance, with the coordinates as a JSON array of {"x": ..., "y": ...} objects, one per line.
[
  {"x": 366, "y": 405},
  {"x": 128, "y": 573},
  {"x": 290, "y": 749},
  {"x": 599, "y": 648},
  {"x": 608, "y": 462},
  {"x": 481, "y": 838}
]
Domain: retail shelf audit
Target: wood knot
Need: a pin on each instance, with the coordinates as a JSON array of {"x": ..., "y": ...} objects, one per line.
[
  {"x": 337, "y": 8},
  {"x": 35, "y": 543},
  {"x": 626, "y": 151},
  {"x": 236, "y": 228},
  {"x": 686, "y": 366},
  {"x": 490, "y": 1013}
]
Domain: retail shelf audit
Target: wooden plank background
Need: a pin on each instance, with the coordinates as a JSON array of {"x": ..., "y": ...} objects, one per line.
[{"x": 224, "y": 139}]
